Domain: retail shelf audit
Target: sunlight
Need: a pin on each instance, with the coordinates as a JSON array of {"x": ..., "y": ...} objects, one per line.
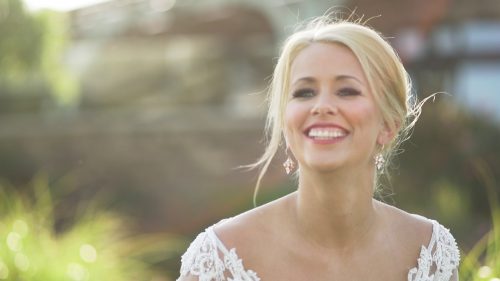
[{"x": 59, "y": 5}]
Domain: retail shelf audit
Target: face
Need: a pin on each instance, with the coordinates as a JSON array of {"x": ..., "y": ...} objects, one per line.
[{"x": 331, "y": 119}]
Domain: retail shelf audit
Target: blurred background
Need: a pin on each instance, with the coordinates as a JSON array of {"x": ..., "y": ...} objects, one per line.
[{"x": 123, "y": 123}]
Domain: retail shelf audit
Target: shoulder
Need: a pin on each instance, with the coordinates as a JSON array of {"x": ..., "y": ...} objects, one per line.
[
  {"x": 252, "y": 225},
  {"x": 208, "y": 259},
  {"x": 219, "y": 249},
  {"x": 440, "y": 257},
  {"x": 438, "y": 252},
  {"x": 424, "y": 231},
  {"x": 246, "y": 233},
  {"x": 413, "y": 230},
  {"x": 443, "y": 246},
  {"x": 202, "y": 258}
]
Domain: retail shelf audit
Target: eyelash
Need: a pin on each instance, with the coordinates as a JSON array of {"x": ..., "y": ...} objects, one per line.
[
  {"x": 349, "y": 92},
  {"x": 305, "y": 93}
]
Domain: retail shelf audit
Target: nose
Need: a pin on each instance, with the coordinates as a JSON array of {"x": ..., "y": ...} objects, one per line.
[{"x": 324, "y": 106}]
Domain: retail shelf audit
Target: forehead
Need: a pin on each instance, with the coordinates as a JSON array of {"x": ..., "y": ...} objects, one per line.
[{"x": 326, "y": 61}]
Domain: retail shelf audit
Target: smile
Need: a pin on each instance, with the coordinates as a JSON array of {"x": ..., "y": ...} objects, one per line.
[{"x": 326, "y": 133}]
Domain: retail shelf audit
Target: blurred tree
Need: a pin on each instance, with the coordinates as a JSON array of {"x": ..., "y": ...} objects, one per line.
[
  {"x": 437, "y": 176},
  {"x": 31, "y": 48}
]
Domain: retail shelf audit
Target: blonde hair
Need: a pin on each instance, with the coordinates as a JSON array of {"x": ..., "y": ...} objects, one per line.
[{"x": 386, "y": 76}]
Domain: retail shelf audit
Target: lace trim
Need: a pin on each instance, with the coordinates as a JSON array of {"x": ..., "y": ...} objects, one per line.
[
  {"x": 203, "y": 259},
  {"x": 438, "y": 260}
]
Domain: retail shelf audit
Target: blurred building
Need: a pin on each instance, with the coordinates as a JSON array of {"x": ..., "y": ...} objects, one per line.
[
  {"x": 229, "y": 44},
  {"x": 172, "y": 94},
  {"x": 189, "y": 77},
  {"x": 178, "y": 49},
  {"x": 451, "y": 46}
]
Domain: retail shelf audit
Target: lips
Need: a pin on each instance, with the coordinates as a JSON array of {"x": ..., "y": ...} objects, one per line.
[{"x": 325, "y": 132}]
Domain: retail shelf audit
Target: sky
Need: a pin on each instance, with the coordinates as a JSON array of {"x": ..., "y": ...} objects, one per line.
[{"x": 59, "y": 5}]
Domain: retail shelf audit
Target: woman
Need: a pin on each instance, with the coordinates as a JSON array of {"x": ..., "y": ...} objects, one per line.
[{"x": 339, "y": 104}]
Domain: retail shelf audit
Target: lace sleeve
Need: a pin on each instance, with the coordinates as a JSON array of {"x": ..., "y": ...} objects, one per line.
[
  {"x": 446, "y": 255},
  {"x": 201, "y": 259},
  {"x": 439, "y": 260},
  {"x": 207, "y": 259}
]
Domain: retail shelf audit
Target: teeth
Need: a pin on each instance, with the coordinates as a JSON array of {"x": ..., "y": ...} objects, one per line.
[{"x": 323, "y": 133}]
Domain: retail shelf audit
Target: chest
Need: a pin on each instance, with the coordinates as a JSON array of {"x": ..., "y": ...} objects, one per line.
[
  {"x": 345, "y": 273},
  {"x": 294, "y": 263}
]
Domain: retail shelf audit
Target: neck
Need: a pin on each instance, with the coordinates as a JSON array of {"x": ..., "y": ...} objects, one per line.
[{"x": 335, "y": 210}]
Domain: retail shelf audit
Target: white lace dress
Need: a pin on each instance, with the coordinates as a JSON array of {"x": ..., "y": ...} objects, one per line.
[{"x": 208, "y": 259}]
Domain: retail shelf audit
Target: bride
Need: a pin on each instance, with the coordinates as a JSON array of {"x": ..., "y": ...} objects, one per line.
[{"x": 339, "y": 105}]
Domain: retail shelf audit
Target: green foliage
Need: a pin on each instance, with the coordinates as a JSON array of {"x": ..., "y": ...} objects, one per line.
[
  {"x": 21, "y": 37},
  {"x": 63, "y": 85},
  {"x": 482, "y": 262},
  {"x": 436, "y": 176},
  {"x": 96, "y": 246},
  {"x": 31, "y": 51}
]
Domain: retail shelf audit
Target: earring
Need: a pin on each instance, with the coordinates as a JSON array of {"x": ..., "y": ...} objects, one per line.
[
  {"x": 289, "y": 165},
  {"x": 379, "y": 162}
]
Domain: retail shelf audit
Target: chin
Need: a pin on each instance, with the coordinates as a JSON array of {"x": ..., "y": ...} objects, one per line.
[{"x": 324, "y": 167}]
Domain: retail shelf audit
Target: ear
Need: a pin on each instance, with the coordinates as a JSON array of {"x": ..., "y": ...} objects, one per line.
[{"x": 387, "y": 133}]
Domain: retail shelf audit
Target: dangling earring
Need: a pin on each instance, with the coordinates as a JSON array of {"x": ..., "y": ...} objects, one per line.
[
  {"x": 380, "y": 161},
  {"x": 289, "y": 165}
]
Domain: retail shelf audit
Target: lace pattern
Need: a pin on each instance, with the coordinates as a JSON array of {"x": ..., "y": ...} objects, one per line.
[
  {"x": 438, "y": 260},
  {"x": 209, "y": 260},
  {"x": 203, "y": 259}
]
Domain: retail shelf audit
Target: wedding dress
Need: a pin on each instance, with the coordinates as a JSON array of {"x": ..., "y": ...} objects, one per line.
[{"x": 209, "y": 260}]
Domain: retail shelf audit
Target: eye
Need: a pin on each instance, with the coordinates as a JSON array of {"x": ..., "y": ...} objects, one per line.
[
  {"x": 303, "y": 93},
  {"x": 348, "y": 92}
]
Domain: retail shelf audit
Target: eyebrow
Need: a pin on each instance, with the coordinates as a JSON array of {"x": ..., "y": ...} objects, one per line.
[{"x": 337, "y": 78}]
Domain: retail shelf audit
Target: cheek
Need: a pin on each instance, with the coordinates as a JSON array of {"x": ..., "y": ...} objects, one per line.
[
  {"x": 293, "y": 117},
  {"x": 366, "y": 115}
]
